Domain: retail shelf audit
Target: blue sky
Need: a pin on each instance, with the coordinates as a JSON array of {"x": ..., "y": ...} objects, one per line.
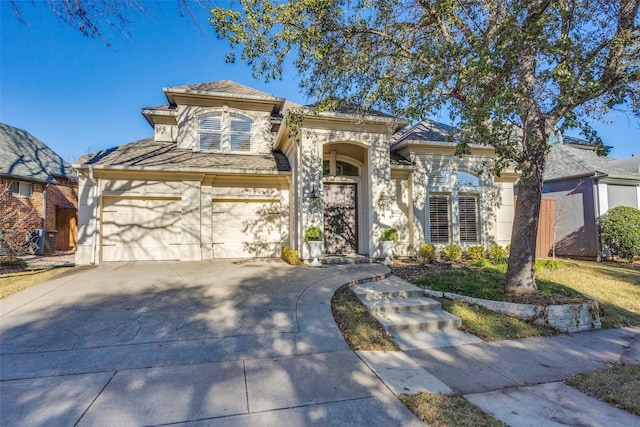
[{"x": 78, "y": 95}]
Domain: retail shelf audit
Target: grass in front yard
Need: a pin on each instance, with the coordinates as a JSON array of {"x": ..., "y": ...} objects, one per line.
[
  {"x": 615, "y": 285},
  {"x": 15, "y": 282},
  {"x": 491, "y": 326},
  {"x": 440, "y": 410},
  {"x": 359, "y": 328},
  {"x": 485, "y": 283},
  {"x": 618, "y": 386}
]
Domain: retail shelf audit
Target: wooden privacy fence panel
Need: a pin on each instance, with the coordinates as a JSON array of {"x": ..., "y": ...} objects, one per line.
[{"x": 546, "y": 226}]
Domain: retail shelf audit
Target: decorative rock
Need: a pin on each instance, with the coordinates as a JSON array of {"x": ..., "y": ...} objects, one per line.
[{"x": 565, "y": 317}]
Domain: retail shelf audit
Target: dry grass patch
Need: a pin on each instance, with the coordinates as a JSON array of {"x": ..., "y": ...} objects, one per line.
[
  {"x": 358, "y": 327},
  {"x": 440, "y": 410},
  {"x": 13, "y": 283},
  {"x": 618, "y": 386},
  {"x": 615, "y": 285},
  {"x": 492, "y": 326}
]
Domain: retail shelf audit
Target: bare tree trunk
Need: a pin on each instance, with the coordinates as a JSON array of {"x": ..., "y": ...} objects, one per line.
[{"x": 522, "y": 256}]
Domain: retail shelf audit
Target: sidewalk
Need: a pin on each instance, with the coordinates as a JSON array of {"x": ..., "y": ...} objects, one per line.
[{"x": 518, "y": 381}]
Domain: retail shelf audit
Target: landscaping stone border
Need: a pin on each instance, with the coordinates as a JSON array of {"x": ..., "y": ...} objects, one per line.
[{"x": 563, "y": 317}]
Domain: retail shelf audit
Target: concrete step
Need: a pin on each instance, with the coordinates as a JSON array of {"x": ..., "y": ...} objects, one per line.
[
  {"x": 418, "y": 321},
  {"x": 397, "y": 305},
  {"x": 345, "y": 260},
  {"x": 391, "y": 287},
  {"x": 419, "y": 340}
]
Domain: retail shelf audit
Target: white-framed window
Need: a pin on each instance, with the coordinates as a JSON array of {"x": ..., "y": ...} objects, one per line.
[
  {"x": 439, "y": 218},
  {"x": 21, "y": 188},
  {"x": 224, "y": 131},
  {"x": 454, "y": 206},
  {"x": 468, "y": 213}
]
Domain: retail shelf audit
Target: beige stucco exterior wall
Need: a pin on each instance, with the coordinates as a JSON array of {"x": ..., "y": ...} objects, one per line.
[
  {"x": 307, "y": 164},
  {"x": 495, "y": 196}
]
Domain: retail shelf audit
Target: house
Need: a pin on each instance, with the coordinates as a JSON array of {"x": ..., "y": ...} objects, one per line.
[
  {"x": 41, "y": 185},
  {"x": 234, "y": 172},
  {"x": 585, "y": 186}
]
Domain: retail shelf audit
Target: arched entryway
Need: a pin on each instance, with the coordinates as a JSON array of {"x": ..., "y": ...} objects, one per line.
[{"x": 344, "y": 182}]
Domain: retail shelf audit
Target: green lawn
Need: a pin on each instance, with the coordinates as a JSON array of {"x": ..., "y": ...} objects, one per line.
[{"x": 615, "y": 285}]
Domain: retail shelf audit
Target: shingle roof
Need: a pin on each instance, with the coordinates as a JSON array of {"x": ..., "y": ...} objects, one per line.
[
  {"x": 568, "y": 161},
  {"x": 354, "y": 110},
  {"x": 148, "y": 153},
  {"x": 630, "y": 163},
  {"x": 397, "y": 160},
  {"x": 224, "y": 88},
  {"x": 23, "y": 155},
  {"x": 429, "y": 131}
]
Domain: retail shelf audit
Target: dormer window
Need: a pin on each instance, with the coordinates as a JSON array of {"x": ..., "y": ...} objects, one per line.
[{"x": 223, "y": 131}]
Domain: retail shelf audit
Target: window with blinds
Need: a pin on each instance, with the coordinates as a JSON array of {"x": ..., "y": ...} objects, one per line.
[
  {"x": 220, "y": 131},
  {"x": 439, "y": 218},
  {"x": 468, "y": 209},
  {"x": 240, "y": 133},
  {"x": 210, "y": 129}
]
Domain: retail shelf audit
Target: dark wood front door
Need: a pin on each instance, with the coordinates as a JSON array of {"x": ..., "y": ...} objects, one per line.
[{"x": 340, "y": 224}]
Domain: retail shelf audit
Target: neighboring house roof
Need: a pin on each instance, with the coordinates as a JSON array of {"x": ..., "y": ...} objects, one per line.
[
  {"x": 150, "y": 154},
  {"x": 631, "y": 164},
  {"x": 567, "y": 161},
  {"x": 24, "y": 156},
  {"x": 224, "y": 88}
]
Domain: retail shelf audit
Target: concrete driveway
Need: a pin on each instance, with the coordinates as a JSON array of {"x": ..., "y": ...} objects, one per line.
[{"x": 206, "y": 343}]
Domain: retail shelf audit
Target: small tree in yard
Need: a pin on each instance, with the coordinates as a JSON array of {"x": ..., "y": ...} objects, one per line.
[
  {"x": 620, "y": 231},
  {"x": 510, "y": 72},
  {"x": 16, "y": 220}
]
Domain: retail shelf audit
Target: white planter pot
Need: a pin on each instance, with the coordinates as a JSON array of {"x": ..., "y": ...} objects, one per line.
[
  {"x": 315, "y": 251},
  {"x": 387, "y": 250}
]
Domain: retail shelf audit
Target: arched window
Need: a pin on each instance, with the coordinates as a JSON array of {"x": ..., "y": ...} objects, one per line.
[
  {"x": 222, "y": 131},
  {"x": 210, "y": 129},
  {"x": 467, "y": 180},
  {"x": 240, "y": 133}
]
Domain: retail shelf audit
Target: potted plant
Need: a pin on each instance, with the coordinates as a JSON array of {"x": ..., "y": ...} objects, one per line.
[
  {"x": 313, "y": 236},
  {"x": 388, "y": 239}
]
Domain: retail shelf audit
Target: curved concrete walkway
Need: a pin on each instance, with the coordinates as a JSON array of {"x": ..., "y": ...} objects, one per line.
[{"x": 218, "y": 343}]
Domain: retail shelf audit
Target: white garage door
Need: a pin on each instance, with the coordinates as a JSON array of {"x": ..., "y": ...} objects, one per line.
[
  {"x": 138, "y": 230},
  {"x": 246, "y": 229}
]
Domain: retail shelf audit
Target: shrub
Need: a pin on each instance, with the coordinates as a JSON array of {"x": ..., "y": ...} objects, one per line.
[
  {"x": 290, "y": 256},
  {"x": 313, "y": 234},
  {"x": 475, "y": 253},
  {"x": 482, "y": 263},
  {"x": 427, "y": 252},
  {"x": 497, "y": 254},
  {"x": 389, "y": 235},
  {"x": 452, "y": 252},
  {"x": 620, "y": 231}
]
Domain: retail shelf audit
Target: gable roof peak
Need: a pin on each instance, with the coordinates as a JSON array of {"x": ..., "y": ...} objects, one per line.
[{"x": 222, "y": 88}]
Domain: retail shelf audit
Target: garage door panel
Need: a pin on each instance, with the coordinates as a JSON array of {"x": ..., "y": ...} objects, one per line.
[
  {"x": 246, "y": 229},
  {"x": 136, "y": 230}
]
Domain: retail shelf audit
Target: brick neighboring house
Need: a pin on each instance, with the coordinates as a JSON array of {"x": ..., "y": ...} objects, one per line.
[{"x": 32, "y": 172}]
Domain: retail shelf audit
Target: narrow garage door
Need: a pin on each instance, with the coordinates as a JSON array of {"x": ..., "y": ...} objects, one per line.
[
  {"x": 246, "y": 229},
  {"x": 139, "y": 230}
]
